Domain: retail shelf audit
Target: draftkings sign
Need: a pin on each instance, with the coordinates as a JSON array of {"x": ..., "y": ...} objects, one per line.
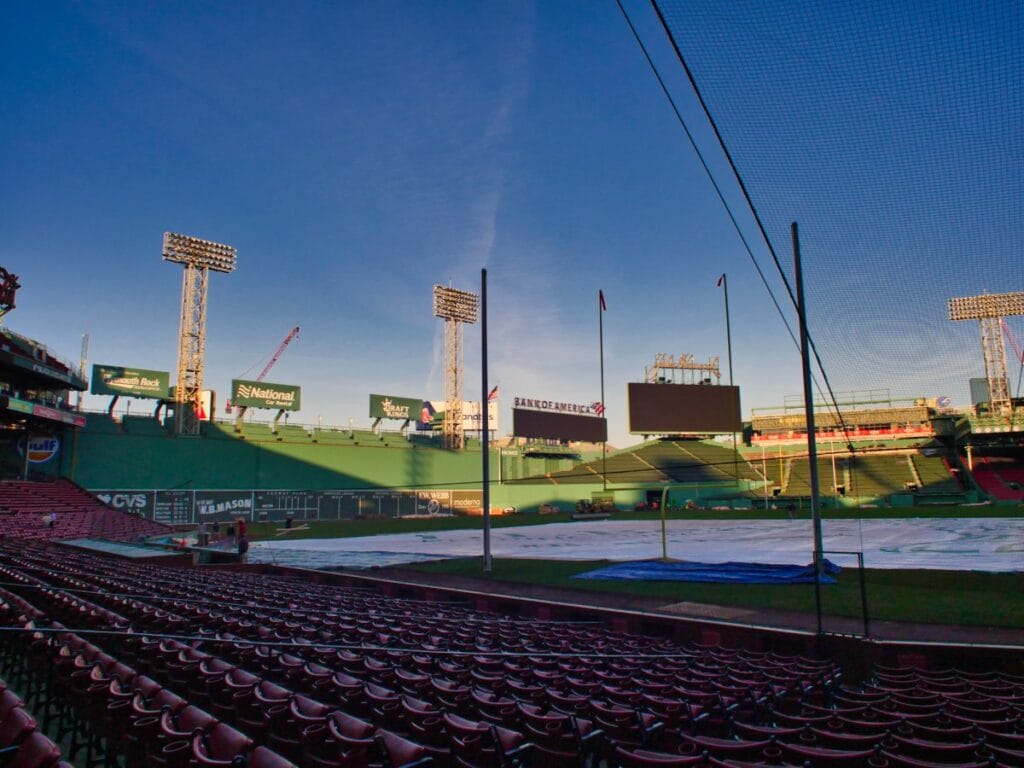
[{"x": 388, "y": 407}]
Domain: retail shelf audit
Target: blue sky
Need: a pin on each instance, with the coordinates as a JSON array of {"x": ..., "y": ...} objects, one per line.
[{"x": 355, "y": 154}]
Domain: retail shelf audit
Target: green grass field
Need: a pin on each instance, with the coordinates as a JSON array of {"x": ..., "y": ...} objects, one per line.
[
  {"x": 938, "y": 597},
  {"x": 932, "y": 597}
]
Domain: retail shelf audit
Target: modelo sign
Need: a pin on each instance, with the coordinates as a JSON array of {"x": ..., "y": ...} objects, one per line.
[
  {"x": 260, "y": 394},
  {"x": 129, "y": 382}
]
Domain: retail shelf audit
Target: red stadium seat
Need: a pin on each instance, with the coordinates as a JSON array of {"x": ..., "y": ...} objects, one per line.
[{"x": 35, "y": 751}]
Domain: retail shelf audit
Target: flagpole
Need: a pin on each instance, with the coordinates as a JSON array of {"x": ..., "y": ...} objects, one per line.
[{"x": 600, "y": 342}]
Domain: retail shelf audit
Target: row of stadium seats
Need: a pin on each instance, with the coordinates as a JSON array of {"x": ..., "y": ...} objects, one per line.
[
  {"x": 435, "y": 669},
  {"x": 25, "y": 505},
  {"x": 864, "y": 475},
  {"x": 1003, "y": 480},
  {"x": 106, "y": 708},
  {"x": 660, "y": 461},
  {"x": 315, "y": 672},
  {"x": 698, "y": 461},
  {"x": 22, "y": 743}
]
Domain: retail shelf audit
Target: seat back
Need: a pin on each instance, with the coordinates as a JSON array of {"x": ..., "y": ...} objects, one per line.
[
  {"x": 36, "y": 751},
  {"x": 262, "y": 757},
  {"x": 344, "y": 726},
  {"x": 16, "y": 727},
  {"x": 398, "y": 752}
]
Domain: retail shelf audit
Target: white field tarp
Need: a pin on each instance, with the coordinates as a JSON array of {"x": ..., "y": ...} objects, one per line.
[{"x": 978, "y": 544}]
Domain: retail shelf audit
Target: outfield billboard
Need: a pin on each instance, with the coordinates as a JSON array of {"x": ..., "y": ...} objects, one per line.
[
  {"x": 683, "y": 409},
  {"x": 559, "y": 425},
  {"x": 129, "y": 382},
  {"x": 389, "y": 407},
  {"x": 260, "y": 394},
  {"x": 183, "y": 507},
  {"x": 431, "y": 415}
]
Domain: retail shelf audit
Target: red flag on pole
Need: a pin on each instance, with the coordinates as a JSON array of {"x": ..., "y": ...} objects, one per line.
[
  {"x": 719, "y": 283},
  {"x": 600, "y": 298},
  {"x": 493, "y": 394}
]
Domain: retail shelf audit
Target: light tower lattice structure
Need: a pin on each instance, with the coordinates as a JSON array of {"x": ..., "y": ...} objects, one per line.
[
  {"x": 456, "y": 308},
  {"x": 990, "y": 309},
  {"x": 199, "y": 257}
]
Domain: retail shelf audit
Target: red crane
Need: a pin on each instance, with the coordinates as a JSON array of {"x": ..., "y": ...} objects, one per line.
[
  {"x": 1013, "y": 342},
  {"x": 277, "y": 355}
]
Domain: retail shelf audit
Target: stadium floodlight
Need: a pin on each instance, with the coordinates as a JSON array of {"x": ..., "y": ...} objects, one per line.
[
  {"x": 183, "y": 249},
  {"x": 198, "y": 256},
  {"x": 986, "y": 305},
  {"x": 453, "y": 304},
  {"x": 990, "y": 309},
  {"x": 456, "y": 308}
]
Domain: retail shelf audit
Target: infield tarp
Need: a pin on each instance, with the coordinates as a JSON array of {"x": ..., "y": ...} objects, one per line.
[
  {"x": 960, "y": 544},
  {"x": 712, "y": 573}
]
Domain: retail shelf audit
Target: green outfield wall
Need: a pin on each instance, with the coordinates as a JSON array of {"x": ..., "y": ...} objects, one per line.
[{"x": 222, "y": 475}]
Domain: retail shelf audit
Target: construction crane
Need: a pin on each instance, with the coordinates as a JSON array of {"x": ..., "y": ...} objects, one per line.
[
  {"x": 9, "y": 286},
  {"x": 1013, "y": 342},
  {"x": 277, "y": 353},
  {"x": 276, "y": 356}
]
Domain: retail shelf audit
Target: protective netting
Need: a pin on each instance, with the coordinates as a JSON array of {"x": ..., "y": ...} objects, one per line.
[{"x": 894, "y": 134}]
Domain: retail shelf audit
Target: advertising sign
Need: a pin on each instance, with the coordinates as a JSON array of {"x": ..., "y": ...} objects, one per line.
[
  {"x": 431, "y": 415},
  {"x": 129, "y": 382},
  {"x": 42, "y": 411},
  {"x": 558, "y": 425},
  {"x": 260, "y": 394},
  {"x": 389, "y": 407},
  {"x": 185, "y": 507},
  {"x": 557, "y": 406},
  {"x": 223, "y": 505},
  {"x": 136, "y": 502},
  {"x": 467, "y": 502},
  {"x": 56, "y": 414},
  {"x": 471, "y": 416},
  {"x": 49, "y": 372},
  {"x": 666, "y": 409},
  {"x": 40, "y": 449}
]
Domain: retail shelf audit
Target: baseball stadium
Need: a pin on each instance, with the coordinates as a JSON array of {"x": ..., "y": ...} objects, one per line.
[{"x": 199, "y": 578}]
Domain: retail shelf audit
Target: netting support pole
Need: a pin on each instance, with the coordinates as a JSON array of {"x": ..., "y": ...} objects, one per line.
[
  {"x": 485, "y": 412},
  {"x": 812, "y": 447}
]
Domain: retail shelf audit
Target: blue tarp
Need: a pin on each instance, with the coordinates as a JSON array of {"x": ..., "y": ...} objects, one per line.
[{"x": 726, "y": 573}]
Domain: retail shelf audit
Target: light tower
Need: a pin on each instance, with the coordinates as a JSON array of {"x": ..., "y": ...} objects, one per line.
[
  {"x": 198, "y": 257},
  {"x": 455, "y": 308},
  {"x": 990, "y": 309}
]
